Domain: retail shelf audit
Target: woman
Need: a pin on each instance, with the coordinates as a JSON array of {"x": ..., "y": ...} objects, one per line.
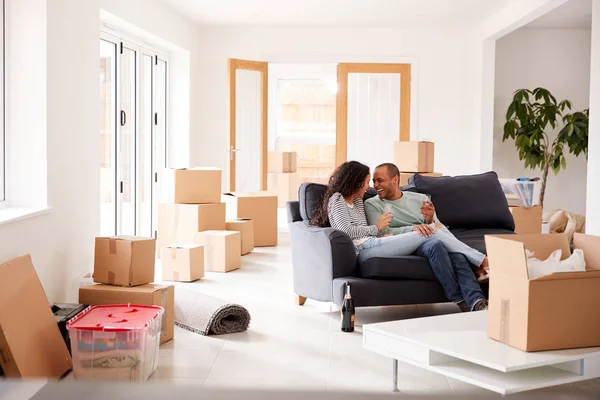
[{"x": 342, "y": 208}]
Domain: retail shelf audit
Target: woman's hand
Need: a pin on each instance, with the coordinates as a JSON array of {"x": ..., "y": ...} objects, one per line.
[{"x": 384, "y": 221}]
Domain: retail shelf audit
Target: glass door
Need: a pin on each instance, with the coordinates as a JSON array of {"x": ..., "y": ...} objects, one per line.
[
  {"x": 248, "y": 123},
  {"x": 373, "y": 111},
  {"x": 133, "y": 133},
  {"x": 108, "y": 96},
  {"x": 126, "y": 150}
]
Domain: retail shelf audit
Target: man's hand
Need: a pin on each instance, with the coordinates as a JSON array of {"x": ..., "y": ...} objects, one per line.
[
  {"x": 427, "y": 209},
  {"x": 424, "y": 230}
]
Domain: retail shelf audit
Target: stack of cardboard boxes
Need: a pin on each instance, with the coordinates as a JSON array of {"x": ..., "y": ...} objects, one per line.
[
  {"x": 124, "y": 269},
  {"x": 414, "y": 157},
  {"x": 283, "y": 177},
  {"x": 201, "y": 229}
]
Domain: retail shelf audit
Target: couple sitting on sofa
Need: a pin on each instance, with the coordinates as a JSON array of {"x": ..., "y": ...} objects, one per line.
[{"x": 398, "y": 223}]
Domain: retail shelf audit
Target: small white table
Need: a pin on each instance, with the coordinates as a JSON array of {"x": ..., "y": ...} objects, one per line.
[{"x": 457, "y": 346}]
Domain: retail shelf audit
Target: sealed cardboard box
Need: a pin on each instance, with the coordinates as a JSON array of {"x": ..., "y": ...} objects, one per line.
[
  {"x": 285, "y": 185},
  {"x": 177, "y": 223},
  {"x": 405, "y": 176},
  {"x": 246, "y": 229},
  {"x": 221, "y": 250},
  {"x": 551, "y": 312},
  {"x": 414, "y": 156},
  {"x": 527, "y": 220},
  {"x": 124, "y": 260},
  {"x": 282, "y": 161},
  {"x": 31, "y": 345},
  {"x": 146, "y": 295},
  {"x": 261, "y": 207},
  {"x": 191, "y": 185},
  {"x": 182, "y": 263}
]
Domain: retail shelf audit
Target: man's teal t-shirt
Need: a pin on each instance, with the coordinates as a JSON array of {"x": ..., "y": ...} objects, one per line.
[{"x": 406, "y": 212}]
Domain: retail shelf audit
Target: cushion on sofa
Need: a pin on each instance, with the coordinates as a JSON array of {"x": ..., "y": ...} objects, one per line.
[
  {"x": 468, "y": 202},
  {"x": 309, "y": 194},
  {"x": 405, "y": 267}
]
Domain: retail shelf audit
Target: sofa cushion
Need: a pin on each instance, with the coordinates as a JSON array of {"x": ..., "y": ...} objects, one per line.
[
  {"x": 309, "y": 194},
  {"x": 468, "y": 202},
  {"x": 405, "y": 267},
  {"x": 475, "y": 237}
]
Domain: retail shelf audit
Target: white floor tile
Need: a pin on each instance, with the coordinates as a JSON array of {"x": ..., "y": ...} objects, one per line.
[{"x": 299, "y": 348}]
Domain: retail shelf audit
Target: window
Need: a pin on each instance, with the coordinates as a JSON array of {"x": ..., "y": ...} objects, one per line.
[{"x": 2, "y": 141}]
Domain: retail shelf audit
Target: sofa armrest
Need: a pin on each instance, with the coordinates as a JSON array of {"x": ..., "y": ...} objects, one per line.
[{"x": 319, "y": 255}]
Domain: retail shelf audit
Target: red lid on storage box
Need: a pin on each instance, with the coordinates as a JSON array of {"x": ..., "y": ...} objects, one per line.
[{"x": 115, "y": 318}]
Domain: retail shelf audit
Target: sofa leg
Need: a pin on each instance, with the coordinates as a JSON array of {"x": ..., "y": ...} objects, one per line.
[{"x": 300, "y": 300}]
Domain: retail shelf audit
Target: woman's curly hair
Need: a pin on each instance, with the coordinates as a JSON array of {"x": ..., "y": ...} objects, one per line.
[{"x": 347, "y": 179}]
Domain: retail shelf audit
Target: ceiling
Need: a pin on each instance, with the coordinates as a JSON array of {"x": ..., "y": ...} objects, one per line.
[
  {"x": 350, "y": 13},
  {"x": 574, "y": 14}
]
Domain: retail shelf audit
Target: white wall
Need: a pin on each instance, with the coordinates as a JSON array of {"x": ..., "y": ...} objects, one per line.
[
  {"x": 443, "y": 104},
  {"x": 61, "y": 241},
  {"x": 558, "y": 60}
]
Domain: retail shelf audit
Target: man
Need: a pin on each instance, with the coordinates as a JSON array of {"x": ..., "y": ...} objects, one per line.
[{"x": 414, "y": 212}]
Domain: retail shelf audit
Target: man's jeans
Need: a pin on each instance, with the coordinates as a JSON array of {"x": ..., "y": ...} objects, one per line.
[
  {"x": 405, "y": 244},
  {"x": 454, "y": 272}
]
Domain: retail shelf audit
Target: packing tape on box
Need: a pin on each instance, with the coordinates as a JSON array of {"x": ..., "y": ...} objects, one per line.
[
  {"x": 209, "y": 248},
  {"x": 176, "y": 275},
  {"x": 175, "y": 220},
  {"x": 112, "y": 246},
  {"x": 173, "y": 252},
  {"x": 505, "y": 320},
  {"x": 111, "y": 277}
]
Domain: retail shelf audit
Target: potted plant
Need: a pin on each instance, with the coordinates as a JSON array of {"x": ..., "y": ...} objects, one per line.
[{"x": 531, "y": 118}]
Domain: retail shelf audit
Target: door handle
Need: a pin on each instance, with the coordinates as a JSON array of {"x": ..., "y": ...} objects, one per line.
[
  {"x": 123, "y": 118},
  {"x": 232, "y": 150}
]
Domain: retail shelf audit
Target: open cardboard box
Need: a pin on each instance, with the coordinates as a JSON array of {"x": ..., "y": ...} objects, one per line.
[{"x": 552, "y": 312}]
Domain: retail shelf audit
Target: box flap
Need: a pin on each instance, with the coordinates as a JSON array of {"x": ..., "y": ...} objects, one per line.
[
  {"x": 591, "y": 249},
  {"x": 128, "y": 238},
  {"x": 568, "y": 275},
  {"x": 542, "y": 245},
  {"x": 506, "y": 255}
]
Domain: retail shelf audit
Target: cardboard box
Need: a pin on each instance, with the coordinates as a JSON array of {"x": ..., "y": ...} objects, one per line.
[
  {"x": 191, "y": 185},
  {"x": 221, "y": 250},
  {"x": 145, "y": 295},
  {"x": 282, "y": 161},
  {"x": 178, "y": 223},
  {"x": 414, "y": 156},
  {"x": 246, "y": 229},
  {"x": 182, "y": 263},
  {"x": 405, "y": 176},
  {"x": 552, "y": 312},
  {"x": 527, "y": 220},
  {"x": 124, "y": 260},
  {"x": 31, "y": 345},
  {"x": 260, "y": 207},
  {"x": 284, "y": 185}
]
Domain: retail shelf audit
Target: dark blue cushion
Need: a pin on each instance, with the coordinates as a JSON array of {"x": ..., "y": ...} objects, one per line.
[{"x": 468, "y": 202}]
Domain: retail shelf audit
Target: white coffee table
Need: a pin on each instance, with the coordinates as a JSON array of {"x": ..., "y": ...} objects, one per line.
[{"x": 457, "y": 346}]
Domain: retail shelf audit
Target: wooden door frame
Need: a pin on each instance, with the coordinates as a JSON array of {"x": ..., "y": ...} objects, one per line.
[
  {"x": 343, "y": 69},
  {"x": 263, "y": 68}
]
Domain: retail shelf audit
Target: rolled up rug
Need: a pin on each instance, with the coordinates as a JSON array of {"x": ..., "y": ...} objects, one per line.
[{"x": 207, "y": 315}]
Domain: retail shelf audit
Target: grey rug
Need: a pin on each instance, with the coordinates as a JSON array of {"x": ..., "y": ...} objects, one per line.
[{"x": 207, "y": 315}]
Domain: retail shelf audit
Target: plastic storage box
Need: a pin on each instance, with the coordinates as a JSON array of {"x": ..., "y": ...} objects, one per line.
[{"x": 115, "y": 342}]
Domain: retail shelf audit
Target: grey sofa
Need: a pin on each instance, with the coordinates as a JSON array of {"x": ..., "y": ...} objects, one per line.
[{"x": 324, "y": 259}]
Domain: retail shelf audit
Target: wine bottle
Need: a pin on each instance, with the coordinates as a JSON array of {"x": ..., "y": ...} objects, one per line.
[{"x": 348, "y": 311}]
